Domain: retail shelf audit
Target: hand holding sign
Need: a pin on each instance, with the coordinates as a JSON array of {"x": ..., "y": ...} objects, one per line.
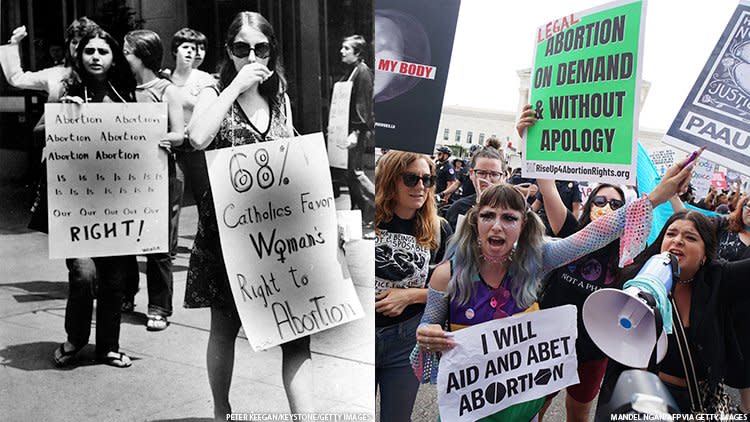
[
  {"x": 433, "y": 338},
  {"x": 527, "y": 119}
]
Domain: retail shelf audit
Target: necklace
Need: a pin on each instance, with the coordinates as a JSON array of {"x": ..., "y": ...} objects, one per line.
[
  {"x": 685, "y": 282},
  {"x": 495, "y": 259}
]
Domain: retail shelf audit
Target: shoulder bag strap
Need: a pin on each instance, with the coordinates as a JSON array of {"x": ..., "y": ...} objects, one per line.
[{"x": 687, "y": 362}]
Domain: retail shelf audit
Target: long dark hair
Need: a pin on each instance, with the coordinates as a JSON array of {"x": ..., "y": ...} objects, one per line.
[
  {"x": 614, "y": 246},
  {"x": 585, "y": 218},
  {"x": 119, "y": 74},
  {"x": 273, "y": 88},
  {"x": 706, "y": 230}
]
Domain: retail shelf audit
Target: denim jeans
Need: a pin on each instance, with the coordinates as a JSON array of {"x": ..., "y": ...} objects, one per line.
[
  {"x": 106, "y": 277},
  {"x": 393, "y": 373}
]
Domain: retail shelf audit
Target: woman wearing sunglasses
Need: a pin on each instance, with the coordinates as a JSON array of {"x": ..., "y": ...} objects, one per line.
[
  {"x": 573, "y": 283},
  {"x": 409, "y": 238},
  {"x": 248, "y": 106}
]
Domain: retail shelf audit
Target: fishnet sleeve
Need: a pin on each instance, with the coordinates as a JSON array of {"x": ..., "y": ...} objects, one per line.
[
  {"x": 424, "y": 363},
  {"x": 632, "y": 224}
]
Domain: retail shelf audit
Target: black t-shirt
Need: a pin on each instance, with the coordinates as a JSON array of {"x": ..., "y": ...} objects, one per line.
[
  {"x": 445, "y": 174},
  {"x": 402, "y": 263},
  {"x": 460, "y": 207},
  {"x": 573, "y": 283},
  {"x": 569, "y": 193},
  {"x": 467, "y": 187}
]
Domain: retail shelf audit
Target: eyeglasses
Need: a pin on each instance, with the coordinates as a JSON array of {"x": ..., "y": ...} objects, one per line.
[
  {"x": 602, "y": 201},
  {"x": 411, "y": 180},
  {"x": 241, "y": 49},
  {"x": 508, "y": 220},
  {"x": 746, "y": 206},
  {"x": 488, "y": 174}
]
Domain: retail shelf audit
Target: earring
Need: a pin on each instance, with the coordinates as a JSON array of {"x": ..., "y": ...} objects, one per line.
[
  {"x": 703, "y": 261},
  {"x": 512, "y": 253}
]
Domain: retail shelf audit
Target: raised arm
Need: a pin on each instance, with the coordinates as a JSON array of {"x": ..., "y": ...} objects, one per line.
[
  {"x": 553, "y": 204},
  {"x": 632, "y": 223},
  {"x": 212, "y": 107}
]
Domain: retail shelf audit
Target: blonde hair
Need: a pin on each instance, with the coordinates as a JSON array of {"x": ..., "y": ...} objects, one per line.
[{"x": 387, "y": 176}]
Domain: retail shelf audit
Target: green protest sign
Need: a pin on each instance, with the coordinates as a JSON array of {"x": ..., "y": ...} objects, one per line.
[{"x": 585, "y": 86}]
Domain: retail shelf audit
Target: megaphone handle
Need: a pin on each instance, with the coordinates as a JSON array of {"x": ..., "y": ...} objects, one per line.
[{"x": 658, "y": 324}]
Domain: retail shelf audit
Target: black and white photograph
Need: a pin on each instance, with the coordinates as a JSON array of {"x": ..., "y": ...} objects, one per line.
[{"x": 186, "y": 210}]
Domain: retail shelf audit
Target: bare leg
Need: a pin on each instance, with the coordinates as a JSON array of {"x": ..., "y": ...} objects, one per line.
[
  {"x": 296, "y": 372},
  {"x": 577, "y": 411},
  {"x": 547, "y": 403},
  {"x": 220, "y": 358},
  {"x": 745, "y": 400}
]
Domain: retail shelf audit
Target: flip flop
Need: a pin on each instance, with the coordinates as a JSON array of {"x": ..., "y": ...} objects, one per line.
[
  {"x": 156, "y": 322},
  {"x": 63, "y": 358},
  {"x": 116, "y": 359}
]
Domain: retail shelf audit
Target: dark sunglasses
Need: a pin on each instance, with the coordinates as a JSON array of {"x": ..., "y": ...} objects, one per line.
[
  {"x": 602, "y": 201},
  {"x": 242, "y": 49},
  {"x": 411, "y": 180}
]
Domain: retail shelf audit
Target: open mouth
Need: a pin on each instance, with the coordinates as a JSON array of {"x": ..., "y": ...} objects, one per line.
[
  {"x": 678, "y": 253},
  {"x": 495, "y": 241}
]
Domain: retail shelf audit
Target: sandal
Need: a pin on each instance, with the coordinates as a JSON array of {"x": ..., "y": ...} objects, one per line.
[
  {"x": 128, "y": 306},
  {"x": 63, "y": 358},
  {"x": 116, "y": 359},
  {"x": 156, "y": 322}
]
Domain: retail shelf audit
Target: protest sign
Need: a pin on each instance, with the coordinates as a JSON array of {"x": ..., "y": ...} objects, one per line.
[
  {"x": 585, "y": 89},
  {"x": 506, "y": 361},
  {"x": 663, "y": 158},
  {"x": 701, "y": 177},
  {"x": 338, "y": 125},
  {"x": 716, "y": 112},
  {"x": 413, "y": 46},
  {"x": 277, "y": 224},
  {"x": 107, "y": 179},
  {"x": 719, "y": 180}
]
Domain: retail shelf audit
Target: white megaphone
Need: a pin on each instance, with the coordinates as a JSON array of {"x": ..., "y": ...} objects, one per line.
[{"x": 622, "y": 323}]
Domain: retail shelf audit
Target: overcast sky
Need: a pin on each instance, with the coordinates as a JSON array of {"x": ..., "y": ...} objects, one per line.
[{"x": 495, "y": 38}]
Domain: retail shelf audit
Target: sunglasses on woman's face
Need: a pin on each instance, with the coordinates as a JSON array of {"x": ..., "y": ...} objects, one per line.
[
  {"x": 602, "y": 201},
  {"x": 411, "y": 180},
  {"x": 241, "y": 49}
]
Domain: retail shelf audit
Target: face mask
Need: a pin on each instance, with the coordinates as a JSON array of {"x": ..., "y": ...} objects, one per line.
[{"x": 597, "y": 212}]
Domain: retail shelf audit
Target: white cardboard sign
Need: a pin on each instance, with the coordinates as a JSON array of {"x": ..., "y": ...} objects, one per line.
[
  {"x": 506, "y": 361},
  {"x": 277, "y": 223},
  {"x": 107, "y": 179}
]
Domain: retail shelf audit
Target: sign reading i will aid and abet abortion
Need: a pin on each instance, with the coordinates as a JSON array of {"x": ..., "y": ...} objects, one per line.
[
  {"x": 585, "y": 88},
  {"x": 277, "y": 223},
  {"x": 507, "y": 361}
]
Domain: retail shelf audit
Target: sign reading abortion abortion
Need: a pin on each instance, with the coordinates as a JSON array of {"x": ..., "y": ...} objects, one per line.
[
  {"x": 413, "y": 46},
  {"x": 107, "y": 179},
  {"x": 506, "y": 361},
  {"x": 585, "y": 86},
  {"x": 277, "y": 223},
  {"x": 716, "y": 113}
]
